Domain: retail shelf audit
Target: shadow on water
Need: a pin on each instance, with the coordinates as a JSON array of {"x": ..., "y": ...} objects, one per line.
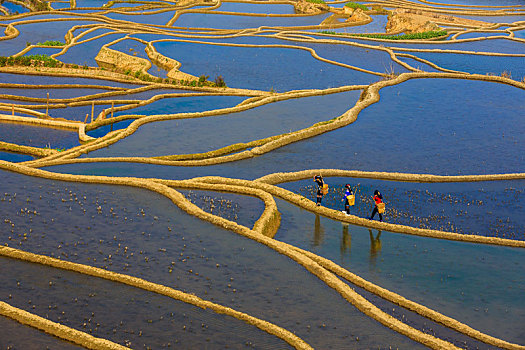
[{"x": 479, "y": 285}]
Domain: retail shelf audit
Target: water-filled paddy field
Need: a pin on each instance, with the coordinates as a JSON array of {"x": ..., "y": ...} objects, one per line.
[{"x": 157, "y": 164}]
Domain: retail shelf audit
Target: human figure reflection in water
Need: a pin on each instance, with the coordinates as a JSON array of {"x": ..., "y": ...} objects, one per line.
[
  {"x": 318, "y": 232},
  {"x": 346, "y": 241},
  {"x": 375, "y": 246}
]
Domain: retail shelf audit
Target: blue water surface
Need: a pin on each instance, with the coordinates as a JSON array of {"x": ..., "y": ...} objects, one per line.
[
  {"x": 215, "y": 264},
  {"x": 210, "y": 133},
  {"x": 261, "y": 68},
  {"x": 479, "y": 285}
]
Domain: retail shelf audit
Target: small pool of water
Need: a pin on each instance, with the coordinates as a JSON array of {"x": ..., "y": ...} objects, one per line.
[
  {"x": 35, "y": 136},
  {"x": 14, "y": 157},
  {"x": 14, "y": 8}
]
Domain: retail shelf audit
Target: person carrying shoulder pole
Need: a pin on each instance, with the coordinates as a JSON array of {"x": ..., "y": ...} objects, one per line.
[
  {"x": 322, "y": 188},
  {"x": 348, "y": 198},
  {"x": 379, "y": 206}
]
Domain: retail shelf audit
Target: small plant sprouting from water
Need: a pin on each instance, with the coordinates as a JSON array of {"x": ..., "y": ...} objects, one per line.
[
  {"x": 506, "y": 74},
  {"x": 219, "y": 81},
  {"x": 390, "y": 72}
]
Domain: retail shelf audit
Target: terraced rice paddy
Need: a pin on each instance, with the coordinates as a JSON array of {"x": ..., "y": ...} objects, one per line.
[{"x": 157, "y": 160}]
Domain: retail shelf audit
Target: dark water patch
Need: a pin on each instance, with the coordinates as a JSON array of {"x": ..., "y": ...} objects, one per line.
[
  {"x": 160, "y": 18},
  {"x": 479, "y": 65},
  {"x": 33, "y": 16},
  {"x": 418, "y": 65},
  {"x": 414, "y": 129},
  {"x": 377, "y": 61},
  {"x": 43, "y": 51},
  {"x": 27, "y": 135},
  {"x": 479, "y": 285},
  {"x": 91, "y": 3},
  {"x": 13, "y": 8},
  {"x": 15, "y": 157},
  {"x": 143, "y": 234},
  {"x": 185, "y": 105},
  {"x": 60, "y": 5},
  {"x": 92, "y": 34},
  {"x": 417, "y": 127},
  {"x": 479, "y": 35},
  {"x": 127, "y": 4},
  {"x": 261, "y": 68},
  {"x": 85, "y": 53},
  {"x": 520, "y": 34},
  {"x": 120, "y": 313},
  {"x": 53, "y": 93},
  {"x": 144, "y": 95},
  {"x": 103, "y": 130},
  {"x": 257, "y": 8},
  {"x": 14, "y": 335},
  {"x": 213, "y": 20},
  {"x": 37, "y": 79},
  {"x": 489, "y": 45},
  {"x": 76, "y": 113},
  {"x": 11, "y": 102},
  {"x": 37, "y": 32},
  {"x": 206, "y": 134},
  {"x": 487, "y": 208},
  {"x": 242, "y": 209}
]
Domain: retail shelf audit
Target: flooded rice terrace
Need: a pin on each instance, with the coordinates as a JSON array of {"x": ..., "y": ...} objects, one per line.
[{"x": 157, "y": 163}]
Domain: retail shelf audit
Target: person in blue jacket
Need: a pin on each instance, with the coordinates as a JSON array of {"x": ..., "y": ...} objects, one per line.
[{"x": 347, "y": 196}]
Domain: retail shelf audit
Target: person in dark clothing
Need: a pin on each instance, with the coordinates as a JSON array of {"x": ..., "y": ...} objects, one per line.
[
  {"x": 320, "y": 183},
  {"x": 348, "y": 198},
  {"x": 378, "y": 200}
]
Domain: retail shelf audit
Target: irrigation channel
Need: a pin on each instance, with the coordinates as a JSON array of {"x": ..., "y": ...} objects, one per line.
[{"x": 157, "y": 162}]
